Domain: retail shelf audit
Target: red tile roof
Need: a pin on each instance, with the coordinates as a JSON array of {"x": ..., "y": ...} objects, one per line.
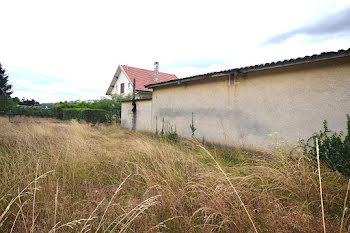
[{"x": 145, "y": 77}]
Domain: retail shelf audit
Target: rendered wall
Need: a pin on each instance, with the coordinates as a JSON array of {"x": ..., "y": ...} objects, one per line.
[
  {"x": 127, "y": 86},
  {"x": 292, "y": 102},
  {"x": 143, "y": 115}
]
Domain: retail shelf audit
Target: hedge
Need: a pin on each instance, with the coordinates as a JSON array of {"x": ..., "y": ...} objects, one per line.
[
  {"x": 31, "y": 111},
  {"x": 72, "y": 113},
  {"x": 89, "y": 115},
  {"x": 86, "y": 114},
  {"x": 104, "y": 110},
  {"x": 95, "y": 115}
]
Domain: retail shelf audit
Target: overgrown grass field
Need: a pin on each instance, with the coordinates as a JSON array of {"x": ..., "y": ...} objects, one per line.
[{"x": 60, "y": 176}]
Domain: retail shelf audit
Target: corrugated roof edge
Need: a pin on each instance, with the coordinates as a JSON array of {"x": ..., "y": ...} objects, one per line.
[{"x": 271, "y": 65}]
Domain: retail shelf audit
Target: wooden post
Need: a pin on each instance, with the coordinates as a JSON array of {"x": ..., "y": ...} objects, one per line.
[{"x": 134, "y": 106}]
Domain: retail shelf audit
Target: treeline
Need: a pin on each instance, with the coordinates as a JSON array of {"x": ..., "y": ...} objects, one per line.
[{"x": 102, "y": 111}]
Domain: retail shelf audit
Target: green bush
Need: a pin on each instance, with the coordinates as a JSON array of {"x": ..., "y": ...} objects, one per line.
[
  {"x": 334, "y": 148},
  {"x": 30, "y": 111},
  {"x": 104, "y": 110},
  {"x": 58, "y": 108},
  {"x": 6, "y": 103},
  {"x": 94, "y": 115},
  {"x": 72, "y": 113},
  {"x": 111, "y": 106},
  {"x": 86, "y": 114}
]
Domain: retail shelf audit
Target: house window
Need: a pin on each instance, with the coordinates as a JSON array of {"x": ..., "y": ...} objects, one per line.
[
  {"x": 122, "y": 88},
  {"x": 129, "y": 86}
]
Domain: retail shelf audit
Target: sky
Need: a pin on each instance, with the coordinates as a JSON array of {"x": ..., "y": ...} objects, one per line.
[{"x": 56, "y": 50}]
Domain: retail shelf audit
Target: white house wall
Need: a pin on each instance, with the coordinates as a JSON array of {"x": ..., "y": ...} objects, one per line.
[{"x": 127, "y": 86}]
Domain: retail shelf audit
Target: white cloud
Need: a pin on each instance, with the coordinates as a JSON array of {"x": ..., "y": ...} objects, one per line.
[{"x": 81, "y": 42}]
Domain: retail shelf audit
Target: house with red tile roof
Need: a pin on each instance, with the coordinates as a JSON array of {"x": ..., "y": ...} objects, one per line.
[{"x": 122, "y": 82}]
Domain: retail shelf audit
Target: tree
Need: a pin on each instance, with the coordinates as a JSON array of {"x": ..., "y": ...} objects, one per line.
[
  {"x": 6, "y": 102},
  {"x": 5, "y": 88},
  {"x": 28, "y": 102}
]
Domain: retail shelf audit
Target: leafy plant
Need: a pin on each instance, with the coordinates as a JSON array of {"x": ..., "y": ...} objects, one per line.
[
  {"x": 193, "y": 129},
  {"x": 334, "y": 147},
  {"x": 171, "y": 134},
  {"x": 169, "y": 131}
]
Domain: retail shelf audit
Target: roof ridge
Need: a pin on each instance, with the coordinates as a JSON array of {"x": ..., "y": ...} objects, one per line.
[{"x": 145, "y": 69}]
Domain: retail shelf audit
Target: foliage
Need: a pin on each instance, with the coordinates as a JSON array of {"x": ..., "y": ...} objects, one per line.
[
  {"x": 169, "y": 131},
  {"x": 58, "y": 107},
  {"x": 5, "y": 88},
  {"x": 72, "y": 113},
  {"x": 31, "y": 111},
  {"x": 104, "y": 110},
  {"x": 28, "y": 102},
  {"x": 6, "y": 102},
  {"x": 193, "y": 129},
  {"x": 94, "y": 115},
  {"x": 334, "y": 147},
  {"x": 89, "y": 115},
  {"x": 111, "y": 107},
  {"x": 172, "y": 135}
]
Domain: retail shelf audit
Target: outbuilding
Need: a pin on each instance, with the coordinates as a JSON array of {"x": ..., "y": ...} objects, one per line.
[{"x": 248, "y": 106}]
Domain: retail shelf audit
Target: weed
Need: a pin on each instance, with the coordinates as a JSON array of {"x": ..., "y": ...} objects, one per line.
[
  {"x": 193, "y": 129},
  {"x": 334, "y": 147}
]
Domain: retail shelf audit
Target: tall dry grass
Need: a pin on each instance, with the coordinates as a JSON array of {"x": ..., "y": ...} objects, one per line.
[{"x": 70, "y": 177}]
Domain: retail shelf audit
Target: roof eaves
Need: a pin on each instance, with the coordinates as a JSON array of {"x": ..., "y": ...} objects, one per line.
[
  {"x": 143, "y": 90},
  {"x": 114, "y": 80},
  {"x": 265, "y": 66},
  {"x": 192, "y": 78}
]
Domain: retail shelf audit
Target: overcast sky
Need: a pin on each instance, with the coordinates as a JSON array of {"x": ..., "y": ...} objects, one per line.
[{"x": 68, "y": 50}]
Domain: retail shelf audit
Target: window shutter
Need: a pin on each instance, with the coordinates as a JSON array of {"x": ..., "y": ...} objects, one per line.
[{"x": 122, "y": 88}]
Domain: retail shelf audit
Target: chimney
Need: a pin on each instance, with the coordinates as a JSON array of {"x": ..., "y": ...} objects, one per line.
[{"x": 156, "y": 68}]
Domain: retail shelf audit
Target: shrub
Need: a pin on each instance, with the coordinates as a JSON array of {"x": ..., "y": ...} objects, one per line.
[
  {"x": 104, "y": 110},
  {"x": 111, "y": 106},
  {"x": 89, "y": 115},
  {"x": 94, "y": 115},
  {"x": 6, "y": 103},
  {"x": 72, "y": 113},
  {"x": 30, "y": 111},
  {"x": 334, "y": 147},
  {"x": 58, "y": 108}
]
